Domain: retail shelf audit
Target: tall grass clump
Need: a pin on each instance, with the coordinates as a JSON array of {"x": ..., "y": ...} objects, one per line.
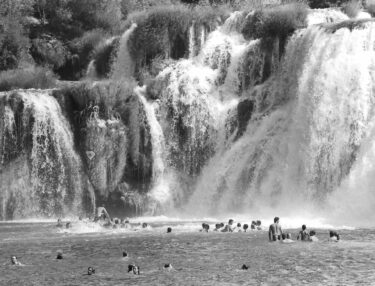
[
  {"x": 31, "y": 77},
  {"x": 352, "y": 8}
]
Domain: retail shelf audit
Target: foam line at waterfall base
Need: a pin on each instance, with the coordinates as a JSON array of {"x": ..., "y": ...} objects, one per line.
[{"x": 159, "y": 224}]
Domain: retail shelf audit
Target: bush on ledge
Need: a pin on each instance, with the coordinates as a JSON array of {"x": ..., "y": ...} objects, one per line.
[
  {"x": 32, "y": 77},
  {"x": 278, "y": 21}
]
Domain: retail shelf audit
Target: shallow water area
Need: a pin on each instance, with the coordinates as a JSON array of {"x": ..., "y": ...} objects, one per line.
[{"x": 198, "y": 258}]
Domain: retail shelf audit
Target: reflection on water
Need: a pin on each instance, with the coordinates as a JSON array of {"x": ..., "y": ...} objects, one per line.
[{"x": 197, "y": 258}]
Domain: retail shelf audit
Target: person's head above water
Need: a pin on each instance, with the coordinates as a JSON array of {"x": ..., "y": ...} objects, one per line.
[
  {"x": 13, "y": 260},
  {"x": 245, "y": 226},
  {"x": 59, "y": 254},
  {"x": 276, "y": 220},
  {"x": 283, "y": 236},
  {"x": 90, "y": 271},
  {"x": 259, "y": 223},
  {"x": 334, "y": 234},
  {"x": 169, "y": 229},
  {"x": 312, "y": 232},
  {"x": 238, "y": 225},
  {"x": 230, "y": 222},
  {"x": 303, "y": 227}
]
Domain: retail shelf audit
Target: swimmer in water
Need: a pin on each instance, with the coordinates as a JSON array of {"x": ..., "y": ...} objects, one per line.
[
  {"x": 287, "y": 238},
  {"x": 334, "y": 236},
  {"x": 133, "y": 268},
  {"x": 59, "y": 223},
  {"x": 59, "y": 254},
  {"x": 275, "y": 232},
  {"x": 238, "y": 228},
  {"x": 217, "y": 227},
  {"x": 253, "y": 225},
  {"x": 90, "y": 271},
  {"x": 303, "y": 234},
  {"x": 169, "y": 230},
  {"x": 14, "y": 261},
  {"x": 259, "y": 225},
  {"x": 205, "y": 227},
  {"x": 228, "y": 227},
  {"x": 168, "y": 266},
  {"x": 313, "y": 236},
  {"x": 245, "y": 227}
]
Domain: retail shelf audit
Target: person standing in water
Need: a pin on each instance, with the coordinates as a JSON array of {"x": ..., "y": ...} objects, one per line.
[
  {"x": 303, "y": 234},
  {"x": 275, "y": 231}
]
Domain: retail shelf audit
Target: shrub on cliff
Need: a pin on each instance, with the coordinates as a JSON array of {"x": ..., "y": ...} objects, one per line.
[
  {"x": 278, "y": 21},
  {"x": 352, "y": 8},
  {"x": 370, "y": 7},
  {"x": 164, "y": 31},
  {"x": 32, "y": 77},
  {"x": 46, "y": 50},
  {"x": 13, "y": 32},
  {"x": 104, "y": 54}
]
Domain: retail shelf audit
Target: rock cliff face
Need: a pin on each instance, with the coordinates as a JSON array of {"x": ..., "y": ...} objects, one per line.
[{"x": 113, "y": 138}]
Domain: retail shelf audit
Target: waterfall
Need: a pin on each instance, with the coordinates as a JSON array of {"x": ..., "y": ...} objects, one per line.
[
  {"x": 192, "y": 44},
  {"x": 196, "y": 97},
  {"x": 40, "y": 171},
  {"x": 311, "y": 121},
  {"x": 160, "y": 193},
  {"x": 319, "y": 16},
  {"x": 91, "y": 70},
  {"x": 123, "y": 66}
]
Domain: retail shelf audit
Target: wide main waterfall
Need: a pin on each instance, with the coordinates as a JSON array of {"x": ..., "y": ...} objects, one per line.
[
  {"x": 227, "y": 126},
  {"x": 309, "y": 145}
]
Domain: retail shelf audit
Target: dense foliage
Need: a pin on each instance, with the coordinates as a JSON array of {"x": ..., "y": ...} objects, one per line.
[{"x": 65, "y": 35}]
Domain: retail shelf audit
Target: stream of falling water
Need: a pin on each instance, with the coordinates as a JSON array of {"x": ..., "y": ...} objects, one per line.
[
  {"x": 160, "y": 193},
  {"x": 297, "y": 151},
  {"x": 123, "y": 66},
  {"x": 46, "y": 178}
]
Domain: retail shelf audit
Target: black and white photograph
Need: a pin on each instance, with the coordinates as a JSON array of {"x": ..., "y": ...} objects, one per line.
[{"x": 187, "y": 142}]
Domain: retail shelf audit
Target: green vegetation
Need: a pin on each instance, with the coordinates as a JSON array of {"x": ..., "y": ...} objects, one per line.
[
  {"x": 32, "y": 77},
  {"x": 370, "y": 7},
  {"x": 65, "y": 35},
  {"x": 352, "y": 8},
  {"x": 163, "y": 32},
  {"x": 276, "y": 22}
]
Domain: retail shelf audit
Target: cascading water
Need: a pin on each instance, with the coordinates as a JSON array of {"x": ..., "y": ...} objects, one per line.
[
  {"x": 311, "y": 120},
  {"x": 123, "y": 66},
  {"x": 40, "y": 172},
  {"x": 160, "y": 193},
  {"x": 196, "y": 96}
]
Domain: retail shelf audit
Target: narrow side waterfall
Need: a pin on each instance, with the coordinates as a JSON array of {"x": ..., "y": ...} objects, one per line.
[
  {"x": 311, "y": 121},
  {"x": 160, "y": 193},
  {"x": 123, "y": 66},
  {"x": 40, "y": 172},
  {"x": 192, "y": 44}
]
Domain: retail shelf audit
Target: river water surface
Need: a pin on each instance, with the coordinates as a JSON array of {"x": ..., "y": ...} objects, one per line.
[{"x": 197, "y": 258}]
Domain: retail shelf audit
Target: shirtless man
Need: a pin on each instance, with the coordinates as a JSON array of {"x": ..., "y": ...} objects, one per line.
[
  {"x": 275, "y": 231},
  {"x": 303, "y": 234}
]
